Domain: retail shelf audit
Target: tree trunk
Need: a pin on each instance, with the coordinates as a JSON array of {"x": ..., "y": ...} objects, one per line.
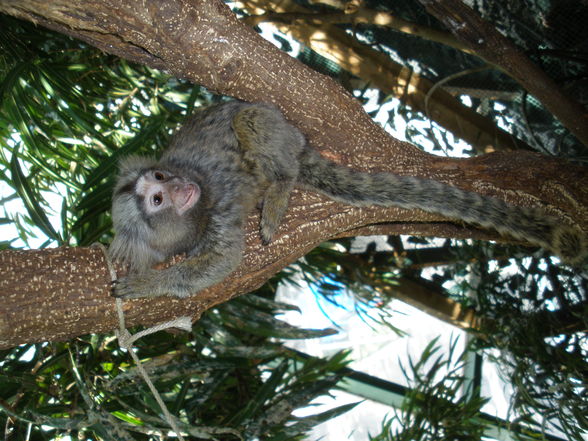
[{"x": 58, "y": 294}]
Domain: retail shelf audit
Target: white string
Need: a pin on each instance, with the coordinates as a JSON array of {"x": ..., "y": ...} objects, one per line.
[{"x": 126, "y": 340}]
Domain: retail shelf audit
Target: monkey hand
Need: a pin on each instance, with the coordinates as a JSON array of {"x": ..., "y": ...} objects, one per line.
[
  {"x": 133, "y": 286},
  {"x": 152, "y": 283},
  {"x": 181, "y": 280}
]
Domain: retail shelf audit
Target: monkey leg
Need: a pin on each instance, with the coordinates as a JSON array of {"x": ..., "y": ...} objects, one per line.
[
  {"x": 269, "y": 141},
  {"x": 275, "y": 203},
  {"x": 270, "y": 146}
]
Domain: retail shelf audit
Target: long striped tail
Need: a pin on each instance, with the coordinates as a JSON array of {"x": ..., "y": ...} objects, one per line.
[{"x": 386, "y": 189}]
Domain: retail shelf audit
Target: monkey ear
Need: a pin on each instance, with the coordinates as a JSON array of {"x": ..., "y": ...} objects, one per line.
[
  {"x": 130, "y": 245},
  {"x": 130, "y": 168},
  {"x": 135, "y": 164}
]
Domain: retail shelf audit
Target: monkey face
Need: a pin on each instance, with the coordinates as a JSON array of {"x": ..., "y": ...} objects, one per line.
[
  {"x": 153, "y": 214},
  {"x": 167, "y": 203},
  {"x": 161, "y": 191}
]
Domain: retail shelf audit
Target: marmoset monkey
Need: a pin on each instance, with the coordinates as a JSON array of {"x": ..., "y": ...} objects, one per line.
[{"x": 227, "y": 158}]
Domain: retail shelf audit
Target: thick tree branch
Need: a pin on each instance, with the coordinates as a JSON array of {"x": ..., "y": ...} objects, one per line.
[
  {"x": 53, "y": 294},
  {"x": 62, "y": 293},
  {"x": 57, "y": 294}
]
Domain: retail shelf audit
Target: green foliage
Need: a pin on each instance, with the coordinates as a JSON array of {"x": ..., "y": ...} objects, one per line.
[
  {"x": 69, "y": 113},
  {"x": 532, "y": 309},
  {"x": 536, "y": 314},
  {"x": 438, "y": 406},
  {"x": 222, "y": 382}
]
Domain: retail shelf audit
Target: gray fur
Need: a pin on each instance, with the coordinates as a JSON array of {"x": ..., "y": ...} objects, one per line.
[{"x": 239, "y": 154}]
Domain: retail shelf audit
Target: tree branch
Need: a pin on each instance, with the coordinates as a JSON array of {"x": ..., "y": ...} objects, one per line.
[
  {"x": 486, "y": 41},
  {"x": 57, "y": 294},
  {"x": 390, "y": 77},
  {"x": 363, "y": 15}
]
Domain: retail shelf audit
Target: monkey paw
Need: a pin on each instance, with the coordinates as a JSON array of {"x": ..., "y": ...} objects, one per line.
[
  {"x": 132, "y": 287},
  {"x": 268, "y": 226},
  {"x": 153, "y": 283},
  {"x": 266, "y": 233}
]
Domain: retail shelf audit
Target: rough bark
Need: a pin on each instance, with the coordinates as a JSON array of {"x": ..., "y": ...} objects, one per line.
[
  {"x": 58, "y": 294},
  {"x": 483, "y": 37}
]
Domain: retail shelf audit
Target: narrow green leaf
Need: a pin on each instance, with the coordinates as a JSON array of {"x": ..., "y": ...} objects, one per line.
[{"x": 30, "y": 201}]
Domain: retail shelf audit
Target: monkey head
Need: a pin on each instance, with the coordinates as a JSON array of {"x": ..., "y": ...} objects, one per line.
[{"x": 152, "y": 213}]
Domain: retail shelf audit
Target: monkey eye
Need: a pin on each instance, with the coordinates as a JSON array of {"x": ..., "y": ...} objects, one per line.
[
  {"x": 159, "y": 176},
  {"x": 157, "y": 199}
]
